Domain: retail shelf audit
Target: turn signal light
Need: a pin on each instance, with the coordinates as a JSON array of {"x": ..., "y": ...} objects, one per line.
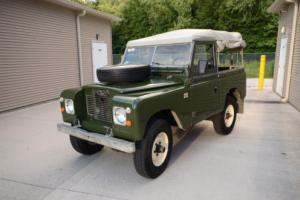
[
  {"x": 128, "y": 123},
  {"x": 62, "y": 109}
]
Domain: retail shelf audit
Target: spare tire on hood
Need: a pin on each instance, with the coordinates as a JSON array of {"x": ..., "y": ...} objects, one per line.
[{"x": 123, "y": 73}]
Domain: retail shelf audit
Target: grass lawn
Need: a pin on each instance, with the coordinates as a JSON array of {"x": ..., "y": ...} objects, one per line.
[
  {"x": 252, "y": 69},
  {"x": 251, "y": 65}
]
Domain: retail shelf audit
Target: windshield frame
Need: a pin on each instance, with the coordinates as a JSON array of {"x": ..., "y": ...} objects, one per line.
[
  {"x": 162, "y": 45},
  {"x": 126, "y": 52}
]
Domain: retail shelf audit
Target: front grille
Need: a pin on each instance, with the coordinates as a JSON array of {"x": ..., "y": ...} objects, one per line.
[{"x": 99, "y": 105}]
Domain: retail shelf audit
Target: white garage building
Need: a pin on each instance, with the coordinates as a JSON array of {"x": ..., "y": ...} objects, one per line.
[
  {"x": 287, "y": 62},
  {"x": 47, "y": 46}
]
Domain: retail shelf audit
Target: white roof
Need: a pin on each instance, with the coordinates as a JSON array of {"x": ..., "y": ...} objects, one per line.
[
  {"x": 78, "y": 7},
  {"x": 278, "y": 5},
  {"x": 224, "y": 39}
]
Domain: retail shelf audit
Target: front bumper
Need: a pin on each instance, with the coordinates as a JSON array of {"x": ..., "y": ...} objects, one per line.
[{"x": 105, "y": 140}]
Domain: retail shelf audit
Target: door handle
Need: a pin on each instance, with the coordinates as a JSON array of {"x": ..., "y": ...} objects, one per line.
[{"x": 215, "y": 89}]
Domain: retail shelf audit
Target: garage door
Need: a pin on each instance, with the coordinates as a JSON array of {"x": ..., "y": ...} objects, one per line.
[
  {"x": 38, "y": 52},
  {"x": 295, "y": 79}
]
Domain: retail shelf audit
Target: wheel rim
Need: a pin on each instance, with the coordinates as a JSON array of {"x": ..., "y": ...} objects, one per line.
[
  {"x": 229, "y": 115},
  {"x": 160, "y": 149}
]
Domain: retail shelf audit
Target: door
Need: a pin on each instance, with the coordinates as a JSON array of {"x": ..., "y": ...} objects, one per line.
[
  {"x": 281, "y": 67},
  {"x": 204, "y": 90},
  {"x": 99, "y": 53}
]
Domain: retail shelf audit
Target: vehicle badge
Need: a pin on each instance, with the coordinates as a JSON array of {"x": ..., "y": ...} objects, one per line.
[{"x": 185, "y": 95}]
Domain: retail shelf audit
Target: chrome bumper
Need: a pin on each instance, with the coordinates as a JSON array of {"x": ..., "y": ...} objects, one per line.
[{"x": 105, "y": 140}]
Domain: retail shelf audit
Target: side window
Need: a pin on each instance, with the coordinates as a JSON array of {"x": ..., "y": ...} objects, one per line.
[{"x": 203, "y": 59}]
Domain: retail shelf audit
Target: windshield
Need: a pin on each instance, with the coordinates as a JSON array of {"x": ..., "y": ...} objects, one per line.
[
  {"x": 172, "y": 55},
  {"x": 177, "y": 55},
  {"x": 138, "y": 55}
]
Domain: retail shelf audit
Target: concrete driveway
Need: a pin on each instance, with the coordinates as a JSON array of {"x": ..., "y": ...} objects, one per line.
[{"x": 259, "y": 160}]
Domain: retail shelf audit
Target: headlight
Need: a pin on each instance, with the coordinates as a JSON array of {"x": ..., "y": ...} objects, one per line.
[
  {"x": 119, "y": 116},
  {"x": 69, "y": 105}
]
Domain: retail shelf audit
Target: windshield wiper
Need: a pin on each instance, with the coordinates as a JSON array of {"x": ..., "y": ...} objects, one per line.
[{"x": 157, "y": 63}]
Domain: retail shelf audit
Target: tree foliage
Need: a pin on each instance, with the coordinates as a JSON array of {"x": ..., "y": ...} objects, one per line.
[{"x": 141, "y": 18}]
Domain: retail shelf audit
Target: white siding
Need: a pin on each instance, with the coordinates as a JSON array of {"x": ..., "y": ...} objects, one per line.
[
  {"x": 286, "y": 20},
  {"x": 90, "y": 26},
  {"x": 295, "y": 79},
  {"x": 38, "y": 52}
]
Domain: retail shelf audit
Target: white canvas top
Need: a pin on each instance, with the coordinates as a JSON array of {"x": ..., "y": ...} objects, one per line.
[{"x": 224, "y": 39}]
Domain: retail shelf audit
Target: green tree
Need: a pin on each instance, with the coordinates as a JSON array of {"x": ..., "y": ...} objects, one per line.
[
  {"x": 250, "y": 17},
  {"x": 109, "y": 6},
  {"x": 141, "y": 18}
]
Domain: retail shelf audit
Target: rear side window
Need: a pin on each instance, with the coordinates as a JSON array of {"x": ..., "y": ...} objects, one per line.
[
  {"x": 230, "y": 59},
  {"x": 203, "y": 59}
]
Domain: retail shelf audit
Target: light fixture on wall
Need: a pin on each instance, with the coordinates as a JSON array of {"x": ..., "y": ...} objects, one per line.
[
  {"x": 283, "y": 11},
  {"x": 283, "y": 30},
  {"x": 97, "y": 36}
]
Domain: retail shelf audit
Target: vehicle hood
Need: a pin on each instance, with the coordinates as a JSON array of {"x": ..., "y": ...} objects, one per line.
[{"x": 148, "y": 85}]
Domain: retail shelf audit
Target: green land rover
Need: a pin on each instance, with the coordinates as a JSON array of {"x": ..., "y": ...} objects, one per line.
[{"x": 166, "y": 81}]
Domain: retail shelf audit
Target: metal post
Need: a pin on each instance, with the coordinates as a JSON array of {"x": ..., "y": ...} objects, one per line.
[{"x": 262, "y": 68}]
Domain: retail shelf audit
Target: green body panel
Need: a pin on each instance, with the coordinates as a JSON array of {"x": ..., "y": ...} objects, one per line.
[
  {"x": 156, "y": 95},
  {"x": 146, "y": 105},
  {"x": 76, "y": 94},
  {"x": 191, "y": 98},
  {"x": 233, "y": 79}
]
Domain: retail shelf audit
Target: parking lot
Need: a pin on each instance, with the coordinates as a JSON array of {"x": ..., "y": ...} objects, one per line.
[{"x": 259, "y": 160}]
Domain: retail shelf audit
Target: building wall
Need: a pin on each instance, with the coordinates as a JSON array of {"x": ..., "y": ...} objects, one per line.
[
  {"x": 295, "y": 78},
  {"x": 38, "y": 52},
  {"x": 286, "y": 20},
  {"x": 90, "y": 26}
]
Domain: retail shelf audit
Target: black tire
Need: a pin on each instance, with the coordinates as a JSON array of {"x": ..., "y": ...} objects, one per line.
[
  {"x": 85, "y": 147},
  {"x": 143, "y": 161},
  {"x": 219, "y": 120},
  {"x": 123, "y": 73}
]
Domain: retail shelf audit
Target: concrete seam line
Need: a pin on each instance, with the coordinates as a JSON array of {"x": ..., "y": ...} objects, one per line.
[
  {"x": 88, "y": 193},
  {"x": 54, "y": 188}
]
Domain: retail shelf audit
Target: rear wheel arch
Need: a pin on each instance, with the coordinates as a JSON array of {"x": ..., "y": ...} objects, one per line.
[
  {"x": 224, "y": 121},
  {"x": 235, "y": 93}
]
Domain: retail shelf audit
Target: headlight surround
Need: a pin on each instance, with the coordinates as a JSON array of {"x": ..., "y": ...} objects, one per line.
[
  {"x": 69, "y": 106},
  {"x": 119, "y": 115}
]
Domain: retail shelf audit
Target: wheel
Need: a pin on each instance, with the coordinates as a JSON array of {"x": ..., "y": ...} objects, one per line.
[
  {"x": 123, "y": 73},
  {"x": 153, "y": 152},
  {"x": 85, "y": 147},
  {"x": 224, "y": 122}
]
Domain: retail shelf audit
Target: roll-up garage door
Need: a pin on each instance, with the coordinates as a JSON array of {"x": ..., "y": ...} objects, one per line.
[{"x": 38, "y": 52}]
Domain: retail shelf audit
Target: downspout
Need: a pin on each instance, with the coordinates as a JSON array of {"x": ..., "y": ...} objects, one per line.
[
  {"x": 291, "y": 53},
  {"x": 83, "y": 13}
]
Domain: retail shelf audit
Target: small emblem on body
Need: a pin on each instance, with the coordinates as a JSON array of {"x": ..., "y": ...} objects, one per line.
[{"x": 185, "y": 95}]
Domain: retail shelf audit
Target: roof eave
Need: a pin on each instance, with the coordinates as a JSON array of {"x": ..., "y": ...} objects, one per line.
[
  {"x": 78, "y": 7},
  {"x": 278, "y": 5}
]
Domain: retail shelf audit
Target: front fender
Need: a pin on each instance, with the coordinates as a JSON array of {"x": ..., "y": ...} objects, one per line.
[
  {"x": 146, "y": 106},
  {"x": 76, "y": 94}
]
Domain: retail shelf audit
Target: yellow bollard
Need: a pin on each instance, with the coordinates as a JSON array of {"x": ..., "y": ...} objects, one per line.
[{"x": 262, "y": 67}]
